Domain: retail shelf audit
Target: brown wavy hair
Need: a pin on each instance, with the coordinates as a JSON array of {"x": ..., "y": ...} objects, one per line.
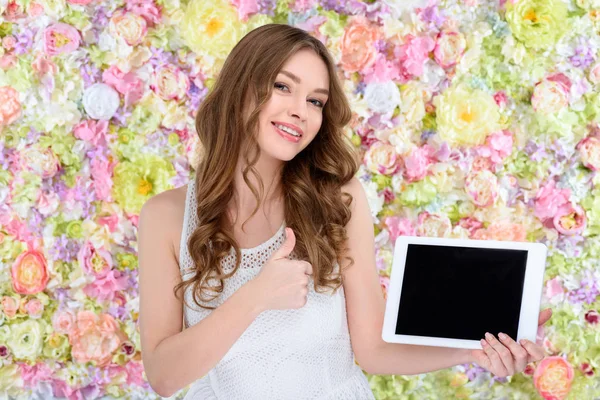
[{"x": 314, "y": 206}]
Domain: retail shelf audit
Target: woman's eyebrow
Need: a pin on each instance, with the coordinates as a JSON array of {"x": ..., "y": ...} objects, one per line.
[{"x": 298, "y": 80}]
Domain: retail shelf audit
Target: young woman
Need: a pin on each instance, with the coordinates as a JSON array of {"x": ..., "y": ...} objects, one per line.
[{"x": 272, "y": 246}]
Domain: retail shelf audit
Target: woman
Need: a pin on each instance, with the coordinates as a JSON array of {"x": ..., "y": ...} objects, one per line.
[{"x": 276, "y": 254}]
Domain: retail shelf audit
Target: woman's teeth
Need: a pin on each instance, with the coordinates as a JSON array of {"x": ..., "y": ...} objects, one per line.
[{"x": 287, "y": 130}]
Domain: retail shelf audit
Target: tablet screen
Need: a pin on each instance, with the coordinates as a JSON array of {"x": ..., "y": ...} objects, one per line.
[{"x": 461, "y": 292}]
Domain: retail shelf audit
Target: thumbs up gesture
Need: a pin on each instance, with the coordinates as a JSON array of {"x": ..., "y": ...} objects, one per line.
[{"x": 283, "y": 283}]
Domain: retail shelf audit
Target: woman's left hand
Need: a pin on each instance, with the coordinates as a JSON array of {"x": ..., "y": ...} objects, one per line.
[{"x": 504, "y": 357}]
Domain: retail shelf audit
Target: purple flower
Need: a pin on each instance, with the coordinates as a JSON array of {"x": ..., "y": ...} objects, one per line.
[
  {"x": 24, "y": 41},
  {"x": 584, "y": 55},
  {"x": 432, "y": 15},
  {"x": 267, "y": 7}
]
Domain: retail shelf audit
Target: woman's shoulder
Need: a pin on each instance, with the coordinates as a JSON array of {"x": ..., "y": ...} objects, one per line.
[{"x": 167, "y": 210}]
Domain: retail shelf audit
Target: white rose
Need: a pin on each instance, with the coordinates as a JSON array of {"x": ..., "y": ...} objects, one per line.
[
  {"x": 382, "y": 97},
  {"x": 100, "y": 101},
  {"x": 26, "y": 339},
  {"x": 397, "y": 7}
]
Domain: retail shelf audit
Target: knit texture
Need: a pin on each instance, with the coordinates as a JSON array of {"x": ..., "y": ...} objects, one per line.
[{"x": 284, "y": 354}]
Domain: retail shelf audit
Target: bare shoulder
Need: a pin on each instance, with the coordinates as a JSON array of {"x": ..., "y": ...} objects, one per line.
[
  {"x": 163, "y": 214},
  {"x": 354, "y": 188}
]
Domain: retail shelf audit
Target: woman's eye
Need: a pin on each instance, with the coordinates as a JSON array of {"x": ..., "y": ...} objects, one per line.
[
  {"x": 317, "y": 103},
  {"x": 280, "y": 86}
]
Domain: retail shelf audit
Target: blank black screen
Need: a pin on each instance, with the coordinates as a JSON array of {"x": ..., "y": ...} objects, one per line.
[{"x": 461, "y": 292}]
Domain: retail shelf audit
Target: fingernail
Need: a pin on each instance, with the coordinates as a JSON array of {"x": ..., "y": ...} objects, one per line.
[
  {"x": 488, "y": 336},
  {"x": 483, "y": 343},
  {"x": 502, "y": 335}
]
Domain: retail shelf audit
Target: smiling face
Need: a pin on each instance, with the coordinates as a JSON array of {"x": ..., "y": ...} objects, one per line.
[{"x": 291, "y": 118}]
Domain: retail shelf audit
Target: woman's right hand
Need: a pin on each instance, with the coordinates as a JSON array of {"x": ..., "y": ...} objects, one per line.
[{"x": 283, "y": 283}]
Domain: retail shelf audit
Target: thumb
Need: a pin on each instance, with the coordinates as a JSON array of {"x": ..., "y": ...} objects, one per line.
[{"x": 287, "y": 246}]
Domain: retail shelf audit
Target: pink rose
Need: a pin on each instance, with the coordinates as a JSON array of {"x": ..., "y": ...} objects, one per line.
[
  {"x": 471, "y": 224},
  {"x": 589, "y": 151},
  {"x": 127, "y": 84},
  {"x": 399, "y": 227},
  {"x": 449, "y": 48},
  {"x": 8, "y": 42},
  {"x": 245, "y": 8},
  {"x": 550, "y": 96},
  {"x": 357, "y": 46},
  {"x": 549, "y": 200},
  {"x": 42, "y": 161},
  {"x": 416, "y": 164},
  {"x": 29, "y": 273},
  {"x": 146, "y": 9},
  {"x": 91, "y": 131},
  {"x": 381, "y": 71},
  {"x": 482, "y": 187},
  {"x": 34, "y": 308},
  {"x": 10, "y": 306},
  {"x": 570, "y": 220},
  {"x": 7, "y": 61},
  {"x": 63, "y": 322},
  {"x": 10, "y": 107},
  {"x": 60, "y": 38},
  {"x": 553, "y": 378},
  {"x": 94, "y": 261},
  {"x": 415, "y": 52},
  {"x": 110, "y": 221},
  {"x": 554, "y": 288},
  {"x": 104, "y": 287},
  {"x": 498, "y": 146}
]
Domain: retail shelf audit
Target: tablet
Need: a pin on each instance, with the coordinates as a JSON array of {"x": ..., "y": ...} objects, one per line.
[{"x": 450, "y": 292}]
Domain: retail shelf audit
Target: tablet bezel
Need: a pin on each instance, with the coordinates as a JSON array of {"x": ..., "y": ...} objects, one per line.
[{"x": 530, "y": 301}]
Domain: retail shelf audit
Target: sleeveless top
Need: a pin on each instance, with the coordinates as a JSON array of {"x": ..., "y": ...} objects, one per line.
[{"x": 284, "y": 354}]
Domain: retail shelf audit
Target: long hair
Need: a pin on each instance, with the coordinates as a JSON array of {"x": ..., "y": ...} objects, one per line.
[{"x": 311, "y": 181}]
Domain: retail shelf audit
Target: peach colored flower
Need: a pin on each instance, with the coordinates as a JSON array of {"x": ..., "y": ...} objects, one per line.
[
  {"x": 358, "y": 50},
  {"x": 433, "y": 225},
  {"x": 95, "y": 338},
  {"x": 8, "y": 42},
  {"x": 553, "y": 378},
  {"x": 29, "y": 273},
  {"x": 10, "y": 107},
  {"x": 35, "y": 9},
  {"x": 129, "y": 26},
  {"x": 43, "y": 65},
  {"x": 9, "y": 306},
  {"x": 381, "y": 158},
  {"x": 34, "y": 308},
  {"x": 63, "y": 322},
  {"x": 43, "y": 161},
  {"x": 170, "y": 83},
  {"x": 61, "y": 38},
  {"x": 502, "y": 231},
  {"x": 449, "y": 48},
  {"x": 482, "y": 187}
]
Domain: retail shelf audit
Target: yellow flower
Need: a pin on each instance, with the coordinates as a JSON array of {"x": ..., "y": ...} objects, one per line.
[
  {"x": 211, "y": 27},
  {"x": 465, "y": 117},
  {"x": 538, "y": 24}
]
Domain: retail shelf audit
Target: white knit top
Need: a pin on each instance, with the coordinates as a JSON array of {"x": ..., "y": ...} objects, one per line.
[{"x": 284, "y": 354}]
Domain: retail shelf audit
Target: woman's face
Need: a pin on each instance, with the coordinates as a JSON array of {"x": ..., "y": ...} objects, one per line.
[{"x": 293, "y": 115}]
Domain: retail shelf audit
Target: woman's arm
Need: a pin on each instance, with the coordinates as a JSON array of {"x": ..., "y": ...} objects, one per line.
[
  {"x": 173, "y": 358},
  {"x": 366, "y": 306}
]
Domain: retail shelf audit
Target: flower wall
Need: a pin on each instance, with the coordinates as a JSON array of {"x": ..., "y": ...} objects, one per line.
[{"x": 474, "y": 119}]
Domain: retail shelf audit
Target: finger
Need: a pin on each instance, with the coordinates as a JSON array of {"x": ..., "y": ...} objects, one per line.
[
  {"x": 544, "y": 316},
  {"x": 287, "y": 246},
  {"x": 503, "y": 352},
  {"x": 536, "y": 352},
  {"x": 518, "y": 352},
  {"x": 496, "y": 365}
]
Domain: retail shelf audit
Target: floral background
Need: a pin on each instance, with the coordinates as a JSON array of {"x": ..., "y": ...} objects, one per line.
[{"x": 474, "y": 119}]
